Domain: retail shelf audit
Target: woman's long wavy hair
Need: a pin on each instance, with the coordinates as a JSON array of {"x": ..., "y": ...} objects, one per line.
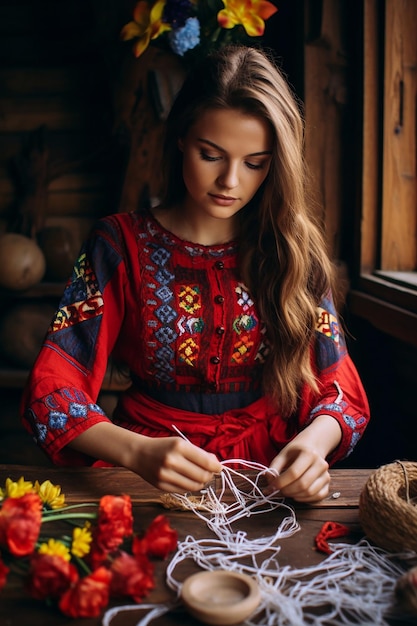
[{"x": 283, "y": 259}]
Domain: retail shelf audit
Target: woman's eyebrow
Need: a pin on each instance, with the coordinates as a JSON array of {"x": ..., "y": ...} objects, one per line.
[{"x": 216, "y": 147}]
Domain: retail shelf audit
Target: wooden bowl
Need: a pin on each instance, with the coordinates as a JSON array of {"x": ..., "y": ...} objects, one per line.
[{"x": 220, "y": 597}]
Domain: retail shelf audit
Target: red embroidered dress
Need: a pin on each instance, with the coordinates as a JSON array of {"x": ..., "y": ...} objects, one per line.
[{"x": 177, "y": 315}]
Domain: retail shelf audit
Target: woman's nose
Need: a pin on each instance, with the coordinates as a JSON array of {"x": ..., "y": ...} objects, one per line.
[{"x": 229, "y": 177}]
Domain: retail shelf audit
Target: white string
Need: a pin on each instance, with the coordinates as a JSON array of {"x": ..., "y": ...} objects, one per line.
[
  {"x": 177, "y": 430},
  {"x": 354, "y": 585},
  {"x": 155, "y": 610}
]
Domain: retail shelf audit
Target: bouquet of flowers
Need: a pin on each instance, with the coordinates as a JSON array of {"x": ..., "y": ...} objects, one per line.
[
  {"x": 196, "y": 25},
  {"x": 80, "y": 571}
]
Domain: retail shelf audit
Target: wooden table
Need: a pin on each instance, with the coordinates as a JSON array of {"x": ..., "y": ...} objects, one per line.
[{"x": 88, "y": 485}]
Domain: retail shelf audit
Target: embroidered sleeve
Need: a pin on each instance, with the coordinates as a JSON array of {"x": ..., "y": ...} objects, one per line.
[
  {"x": 59, "y": 401},
  {"x": 341, "y": 391}
]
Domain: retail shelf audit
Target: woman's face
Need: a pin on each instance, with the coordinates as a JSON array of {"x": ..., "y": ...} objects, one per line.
[{"x": 226, "y": 157}]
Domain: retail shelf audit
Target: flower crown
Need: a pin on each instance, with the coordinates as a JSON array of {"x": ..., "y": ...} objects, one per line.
[{"x": 193, "y": 25}]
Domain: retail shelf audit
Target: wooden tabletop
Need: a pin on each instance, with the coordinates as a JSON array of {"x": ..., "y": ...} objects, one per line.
[{"x": 89, "y": 484}]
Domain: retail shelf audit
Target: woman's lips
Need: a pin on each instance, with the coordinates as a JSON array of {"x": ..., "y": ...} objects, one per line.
[{"x": 222, "y": 200}]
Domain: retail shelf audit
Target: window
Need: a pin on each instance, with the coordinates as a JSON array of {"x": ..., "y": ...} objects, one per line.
[{"x": 386, "y": 289}]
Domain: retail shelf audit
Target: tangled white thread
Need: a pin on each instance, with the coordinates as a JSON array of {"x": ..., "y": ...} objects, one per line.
[
  {"x": 230, "y": 545},
  {"x": 354, "y": 585}
]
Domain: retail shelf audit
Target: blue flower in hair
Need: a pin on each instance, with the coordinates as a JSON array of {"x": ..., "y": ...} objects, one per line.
[{"x": 185, "y": 38}]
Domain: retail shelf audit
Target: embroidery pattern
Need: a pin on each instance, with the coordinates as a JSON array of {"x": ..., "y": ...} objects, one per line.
[
  {"x": 162, "y": 329},
  {"x": 244, "y": 300},
  {"x": 188, "y": 351},
  {"x": 177, "y": 291},
  {"x": 58, "y": 410},
  {"x": 242, "y": 349},
  {"x": 331, "y": 345},
  {"x": 82, "y": 299},
  {"x": 243, "y": 323},
  {"x": 328, "y": 325},
  {"x": 339, "y": 406},
  {"x": 189, "y": 298},
  {"x": 263, "y": 349}
]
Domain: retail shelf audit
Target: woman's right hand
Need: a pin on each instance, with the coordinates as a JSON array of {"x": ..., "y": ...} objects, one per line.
[
  {"x": 173, "y": 464},
  {"x": 168, "y": 463}
]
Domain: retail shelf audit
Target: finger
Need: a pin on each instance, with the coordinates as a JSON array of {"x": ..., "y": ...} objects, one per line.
[
  {"x": 315, "y": 496},
  {"x": 203, "y": 459},
  {"x": 172, "y": 481},
  {"x": 291, "y": 458},
  {"x": 179, "y": 469},
  {"x": 309, "y": 488},
  {"x": 293, "y": 473}
]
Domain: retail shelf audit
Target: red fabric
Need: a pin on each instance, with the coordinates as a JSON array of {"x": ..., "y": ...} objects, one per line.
[
  {"x": 239, "y": 433},
  {"x": 179, "y": 318}
]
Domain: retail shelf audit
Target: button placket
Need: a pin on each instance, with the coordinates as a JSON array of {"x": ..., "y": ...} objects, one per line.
[{"x": 219, "y": 329}]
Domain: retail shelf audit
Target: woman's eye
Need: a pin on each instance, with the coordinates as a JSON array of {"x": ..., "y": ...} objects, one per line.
[
  {"x": 208, "y": 157},
  {"x": 255, "y": 166}
]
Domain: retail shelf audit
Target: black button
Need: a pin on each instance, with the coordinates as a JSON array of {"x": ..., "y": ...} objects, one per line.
[
  {"x": 219, "y": 299},
  {"x": 212, "y": 387},
  {"x": 220, "y": 330},
  {"x": 219, "y": 265},
  {"x": 215, "y": 360}
]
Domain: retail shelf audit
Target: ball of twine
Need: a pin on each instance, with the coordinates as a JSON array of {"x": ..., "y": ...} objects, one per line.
[{"x": 387, "y": 513}]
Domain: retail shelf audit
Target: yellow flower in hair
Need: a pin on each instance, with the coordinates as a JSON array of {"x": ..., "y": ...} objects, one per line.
[
  {"x": 81, "y": 540},
  {"x": 50, "y": 494},
  {"x": 15, "y": 489},
  {"x": 55, "y": 548},
  {"x": 147, "y": 24},
  {"x": 251, "y": 14}
]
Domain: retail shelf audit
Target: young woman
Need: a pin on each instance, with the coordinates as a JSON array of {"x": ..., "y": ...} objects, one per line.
[{"x": 219, "y": 301}]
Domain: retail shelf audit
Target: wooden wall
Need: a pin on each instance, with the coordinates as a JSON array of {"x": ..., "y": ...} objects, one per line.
[{"x": 56, "y": 115}]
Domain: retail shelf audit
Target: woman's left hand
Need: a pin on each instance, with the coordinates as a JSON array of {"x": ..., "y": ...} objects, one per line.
[
  {"x": 303, "y": 473},
  {"x": 301, "y": 470}
]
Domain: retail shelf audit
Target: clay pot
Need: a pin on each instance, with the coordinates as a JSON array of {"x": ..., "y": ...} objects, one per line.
[{"x": 22, "y": 262}]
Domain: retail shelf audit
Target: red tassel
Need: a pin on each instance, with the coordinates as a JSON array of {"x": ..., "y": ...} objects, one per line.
[{"x": 329, "y": 530}]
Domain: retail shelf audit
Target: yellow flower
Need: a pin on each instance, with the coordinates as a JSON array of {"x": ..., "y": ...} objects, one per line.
[
  {"x": 55, "y": 548},
  {"x": 147, "y": 25},
  {"x": 249, "y": 13},
  {"x": 15, "y": 489},
  {"x": 50, "y": 494},
  {"x": 81, "y": 540}
]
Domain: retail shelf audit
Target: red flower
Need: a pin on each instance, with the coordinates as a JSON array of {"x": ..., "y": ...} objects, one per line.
[
  {"x": 56, "y": 573},
  {"x": 131, "y": 576},
  {"x": 115, "y": 522},
  {"x": 97, "y": 557},
  {"x": 158, "y": 541},
  {"x": 20, "y": 522},
  {"x": 4, "y": 570},
  {"x": 50, "y": 575},
  {"x": 89, "y": 596}
]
